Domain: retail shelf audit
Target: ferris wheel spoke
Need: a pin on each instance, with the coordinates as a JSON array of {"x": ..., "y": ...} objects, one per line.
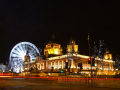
[
  {"x": 34, "y": 54},
  {"x": 26, "y": 47},
  {"x": 16, "y": 53},
  {"x": 21, "y": 49},
  {"x": 16, "y": 50},
  {"x": 33, "y": 51},
  {"x": 23, "y": 46},
  {"x": 16, "y": 58}
]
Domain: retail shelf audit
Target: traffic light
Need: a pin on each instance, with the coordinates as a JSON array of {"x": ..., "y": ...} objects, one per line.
[
  {"x": 93, "y": 61},
  {"x": 80, "y": 65},
  {"x": 62, "y": 71},
  {"x": 89, "y": 60}
]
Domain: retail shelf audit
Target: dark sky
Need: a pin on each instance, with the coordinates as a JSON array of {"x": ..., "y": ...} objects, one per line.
[{"x": 37, "y": 20}]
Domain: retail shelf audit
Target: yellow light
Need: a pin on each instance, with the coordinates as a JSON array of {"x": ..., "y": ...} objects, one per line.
[
  {"x": 64, "y": 56},
  {"x": 75, "y": 48},
  {"x": 56, "y": 51},
  {"x": 53, "y": 49}
]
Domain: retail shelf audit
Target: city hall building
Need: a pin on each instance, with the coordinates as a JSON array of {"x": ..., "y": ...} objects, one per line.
[{"x": 73, "y": 62}]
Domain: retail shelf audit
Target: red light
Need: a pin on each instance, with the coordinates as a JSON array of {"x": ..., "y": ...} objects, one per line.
[
  {"x": 5, "y": 74},
  {"x": 89, "y": 59},
  {"x": 10, "y": 75}
]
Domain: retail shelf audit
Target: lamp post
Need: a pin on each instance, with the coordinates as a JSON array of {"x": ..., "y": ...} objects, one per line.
[{"x": 90, "y": 53}]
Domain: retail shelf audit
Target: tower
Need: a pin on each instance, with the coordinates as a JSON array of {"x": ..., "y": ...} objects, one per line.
[
  {"x": 108, "y": 55},
  {"x": 27, "y": 57},
  {"x": 72, "y": 47},
  {"x": 27, "y": 61}
]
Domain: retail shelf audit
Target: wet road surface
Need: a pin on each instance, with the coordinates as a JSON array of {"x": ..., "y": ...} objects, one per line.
[{"x": 44, "y": 84}]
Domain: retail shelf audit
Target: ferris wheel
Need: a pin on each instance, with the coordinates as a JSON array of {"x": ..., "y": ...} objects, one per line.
[{"x": 18, "y": 53}]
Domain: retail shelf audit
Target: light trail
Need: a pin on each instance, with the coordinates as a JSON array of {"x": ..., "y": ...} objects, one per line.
[
  {"x": 6, "y": 74},
  {"x": 57, "y": 78}
]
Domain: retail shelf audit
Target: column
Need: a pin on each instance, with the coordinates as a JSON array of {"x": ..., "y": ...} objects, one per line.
[
  {"x": 40, "y": 66},
  {"x": 72, "y": 64},
  {"x": 47, "y": 64},
  {"x": 58, "y": 64},
  {"x": 62, "y": 64},
  {"x": 51, "y": 65},
  {"x": 54, "y": 64},
  {"x": 43, "y": 65}
]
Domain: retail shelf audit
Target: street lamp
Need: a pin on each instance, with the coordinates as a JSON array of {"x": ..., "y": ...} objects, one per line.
[{"x": 90, "y": 54}]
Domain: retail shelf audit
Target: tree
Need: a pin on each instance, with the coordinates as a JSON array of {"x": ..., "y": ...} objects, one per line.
[
  {"x": 95, "y": 50},
  {"x": 99, "y": 49},
  {"x": 117, "y": 61}
]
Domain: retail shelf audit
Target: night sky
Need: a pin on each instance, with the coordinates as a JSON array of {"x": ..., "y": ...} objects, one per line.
[{"x": 36, "y": 20}]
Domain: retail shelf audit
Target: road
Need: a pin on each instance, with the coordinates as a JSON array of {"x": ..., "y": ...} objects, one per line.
[{"x": 44, "y": 84}]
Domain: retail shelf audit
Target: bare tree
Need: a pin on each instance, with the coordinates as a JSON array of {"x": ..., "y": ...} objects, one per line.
[
  {"x": 95, "y": 50},
  {"x": 99, "y": 49}
]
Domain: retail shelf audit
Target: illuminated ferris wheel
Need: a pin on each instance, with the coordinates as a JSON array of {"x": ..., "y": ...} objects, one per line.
[{"x": 18, "y": 53}]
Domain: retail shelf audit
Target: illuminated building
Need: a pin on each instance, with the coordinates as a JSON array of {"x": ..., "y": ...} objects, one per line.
[
  {"x": 27, "y": 57},
  {"x": 72, "y": 62},
  {"x": 26, "y": 61},
  {"x": 52, "y": 49},
  {"x": 72, "y": 47},
  {"x": 101, "y": 66},
  {"x": 40, "y": 63},
  {"x": 108, "y": 55}
]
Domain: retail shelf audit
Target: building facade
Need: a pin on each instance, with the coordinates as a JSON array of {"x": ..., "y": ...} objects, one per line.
[
  {"x": 73, "y": 62},
  {"x": 52, "y": 49}
]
